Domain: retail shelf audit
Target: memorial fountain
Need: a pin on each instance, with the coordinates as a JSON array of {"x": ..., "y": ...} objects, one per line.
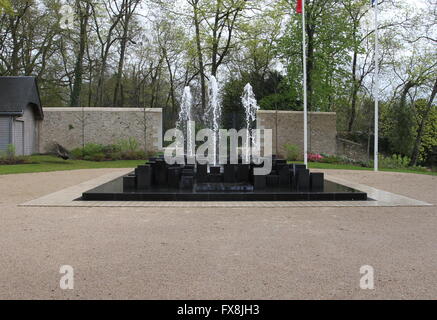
[{"x": 157, "y": 180}]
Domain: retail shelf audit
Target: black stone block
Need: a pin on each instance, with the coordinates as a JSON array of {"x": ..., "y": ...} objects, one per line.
[
  {"x": 187, "y": 182},
  {"x": 129, "y": 182},
  {"x": 229, "y": 173},
  {"x": 144, "y": 177},
  {"x": 215, "y": 178},
  {"x": 259, "y": 182},
  {"x": 303, "y": 180},
  {"x": 174, "y": 175},
  {"x": 152, "y": 164},
  {"x": 202, "y": 173},
  {"x": 281, "y": 161},
  {"x": 188, "y": 172},
  {"x": 297, "y": 167},
  {"x": 317, "y": 182},
  {"x": 243, "y": 173},
  {"x": 160, "y": 172},
  {"x": 202, "y": 169},
  {"x": 284, "y": 176},
  {"x": 272, "y": 180},
  {"x": 214, "y": 170}
]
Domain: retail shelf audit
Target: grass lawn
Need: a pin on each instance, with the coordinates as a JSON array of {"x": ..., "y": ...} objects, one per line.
[
  {"x": 318, "y": 165},
  {"x": 45, "y": 163}
]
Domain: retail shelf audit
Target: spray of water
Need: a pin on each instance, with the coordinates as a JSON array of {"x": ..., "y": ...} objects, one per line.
[
  {"x": 214, "y": 111},
  {"x": 250, "y": 107},
  {"x": 184, "y": 118}
]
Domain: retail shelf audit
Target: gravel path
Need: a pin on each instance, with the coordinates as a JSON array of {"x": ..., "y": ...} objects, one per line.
[{"x": 210, "y": 253}]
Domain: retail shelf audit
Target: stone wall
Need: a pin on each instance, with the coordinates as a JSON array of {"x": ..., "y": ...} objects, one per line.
[
  {"x": 71, "y": 127},
  {"x": 289, "y": 125},
  {"x": 352, "y": 150}
]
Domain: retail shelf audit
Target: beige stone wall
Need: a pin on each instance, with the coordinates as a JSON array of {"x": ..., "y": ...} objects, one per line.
[
  {"x": 289, "y": 125},
  {"x": 70, "y": 127}
]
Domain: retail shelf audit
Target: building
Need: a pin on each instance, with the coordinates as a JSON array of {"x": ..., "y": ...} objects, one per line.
[{"x": 20, "y": 114}]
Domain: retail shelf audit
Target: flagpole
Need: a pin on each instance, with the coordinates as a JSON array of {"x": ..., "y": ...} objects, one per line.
[
  {"x": 376, "y": 90},
  {"x": 305, "y": 102}
]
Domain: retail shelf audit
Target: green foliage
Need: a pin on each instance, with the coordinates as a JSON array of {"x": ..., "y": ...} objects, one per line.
[
  {"x": 124, "y": 150},
  {"x": 401, "y": 135},
  {"x": 342, "y": 160},
  {"x": 5, "y": 5},
  {"x": 10, "y": 151},
  {"x": 292, "y": 152},
  {"x": 272, "y": 93},
  {"x": 429, "y": 137},
  {"x": 396, "y": 161},
  {"x": 9, "y": 157},
  {"x": 128, "y": 145},
  {"x": 328, "y": 59}
]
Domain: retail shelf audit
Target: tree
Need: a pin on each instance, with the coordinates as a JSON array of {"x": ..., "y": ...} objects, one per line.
[
  {"x": 128, "y": 10},
  {"x": 6, "y": 6},
  {"x": 83, "y": 12}
]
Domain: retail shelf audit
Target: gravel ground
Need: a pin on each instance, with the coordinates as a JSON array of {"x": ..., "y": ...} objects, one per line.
[{"x": 201, "y": 253}]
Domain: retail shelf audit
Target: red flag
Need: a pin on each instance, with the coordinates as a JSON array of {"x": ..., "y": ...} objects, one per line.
[{"x": 299, "y": 6}]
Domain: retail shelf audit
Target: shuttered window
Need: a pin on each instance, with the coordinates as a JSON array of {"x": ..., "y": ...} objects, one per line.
[{"x": 5, "y": 132}]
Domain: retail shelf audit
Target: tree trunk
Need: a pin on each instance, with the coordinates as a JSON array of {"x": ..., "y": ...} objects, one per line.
[
  {"x": 418, "y": 142},
  {"x": 117, "y": 91},
  {"x": 130, "y": 6},
  {"x": 78, "y": 69},
  {"x": 199, "y": 55},
  {"x": 310, "y": 66},
  {"x": 354, "y": 92}
]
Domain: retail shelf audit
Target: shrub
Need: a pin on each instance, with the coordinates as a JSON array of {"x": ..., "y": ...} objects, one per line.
[
  {"x": 96, "y": 157},
  {"x": 293, "y": 153},
  {"x": 394, "y": 162},
  {"x": 314, "y": 157},
  {"x": 332, "y": 159},
  {"x": 124, "y": 150},
  {"x": 9, "y": 156},
  {"x": 128, "y": 145},
  {"x": 76, "y": 153}
]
